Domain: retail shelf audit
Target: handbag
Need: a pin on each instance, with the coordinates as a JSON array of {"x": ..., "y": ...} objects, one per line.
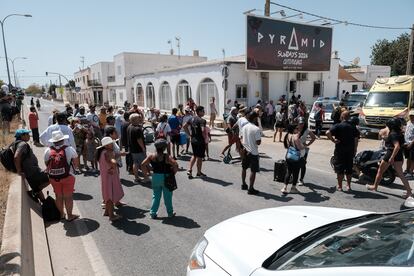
[
  {"x": 170, "y": 182},
  {"x": 292, "y": 154},
  {"x": 169, "y": 178}
]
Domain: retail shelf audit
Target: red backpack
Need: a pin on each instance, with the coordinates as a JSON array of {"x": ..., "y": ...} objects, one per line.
[{"x": 58, "y": 167}]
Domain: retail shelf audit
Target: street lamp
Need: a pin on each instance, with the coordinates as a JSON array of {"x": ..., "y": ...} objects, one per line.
[
  {"x": 294, "y": 15},
  {"x": 16, "y": 79},
  {"x": 282, "y": 13},
  {"x": 14, "y": 73},
  {"x": 4, "y": 41}
]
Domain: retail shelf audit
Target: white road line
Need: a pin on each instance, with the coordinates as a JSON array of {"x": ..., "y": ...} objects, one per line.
[{"x": 95, "y": 258}]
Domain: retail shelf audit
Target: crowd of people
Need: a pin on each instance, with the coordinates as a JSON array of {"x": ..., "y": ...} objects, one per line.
[{"x": 95, "y": 143}]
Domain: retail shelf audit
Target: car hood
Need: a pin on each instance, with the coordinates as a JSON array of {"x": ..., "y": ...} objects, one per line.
[{"x": 241, "y": 244}]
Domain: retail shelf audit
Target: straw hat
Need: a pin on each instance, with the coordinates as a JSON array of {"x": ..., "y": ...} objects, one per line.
[{"x": 57, "y": 136}]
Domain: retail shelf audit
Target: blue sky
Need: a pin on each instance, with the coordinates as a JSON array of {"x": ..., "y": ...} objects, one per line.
[{"x": 61, "y": 31}]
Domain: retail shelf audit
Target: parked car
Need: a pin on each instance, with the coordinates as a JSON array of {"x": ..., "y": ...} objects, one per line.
[
  {"x": 307, "y": 240},
  {"x": 355, "y": 100},
  {"x": 328, "y": 106}
]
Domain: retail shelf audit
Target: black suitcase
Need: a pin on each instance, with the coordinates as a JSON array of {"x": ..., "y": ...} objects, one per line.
[{"x": 279, "y": 171}]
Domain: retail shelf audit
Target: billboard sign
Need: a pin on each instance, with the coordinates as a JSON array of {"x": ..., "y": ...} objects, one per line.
[{"x": 278, "y": 45}]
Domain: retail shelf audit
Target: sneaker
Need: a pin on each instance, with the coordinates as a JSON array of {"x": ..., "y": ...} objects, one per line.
[
  {"x": 252, "y": 191},
  {"x": 171, "y": 215},
  {"x": 200, "y": 174},
  {"x": 284, "y": 191},
  {"x": 301, "y": 183},
  {"x": 153, "y": 216},
  {"x": 244, "y": 187},
  {"x": 294, "y": 190}
]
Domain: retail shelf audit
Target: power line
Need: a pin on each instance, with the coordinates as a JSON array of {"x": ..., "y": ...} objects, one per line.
[{"x": 341, "y": 21}]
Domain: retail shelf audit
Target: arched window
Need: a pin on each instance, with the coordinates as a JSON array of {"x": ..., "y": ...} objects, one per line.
[
  {"x": 207, "y": 90},
  {"x": 165, "y": 96},
  {"x": 139, "y": 99},
  {"x": 150, "y": 96},
  {"x": 183, "y": 92}
]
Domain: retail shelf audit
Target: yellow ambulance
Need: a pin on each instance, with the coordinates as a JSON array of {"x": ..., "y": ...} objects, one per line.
[{"x": 388, "y": 98}]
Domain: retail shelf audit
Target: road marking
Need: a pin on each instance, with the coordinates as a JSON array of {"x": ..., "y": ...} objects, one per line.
[{"x": 95, "y": 258}]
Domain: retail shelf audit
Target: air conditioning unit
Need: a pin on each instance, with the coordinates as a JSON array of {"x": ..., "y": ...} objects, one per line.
[{"x": 301, "y": 76}]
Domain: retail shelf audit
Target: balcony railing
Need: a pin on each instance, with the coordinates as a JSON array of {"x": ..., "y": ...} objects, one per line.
[
  {"x": 111, "y": 78},
  {"x": 94, "y": 83}
]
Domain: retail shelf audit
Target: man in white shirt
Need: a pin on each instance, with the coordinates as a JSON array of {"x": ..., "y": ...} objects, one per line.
[
  {"x": 61, "y": 124},
  {"x": 250, "y": 136},
  {"x": 61, "y": 172}
]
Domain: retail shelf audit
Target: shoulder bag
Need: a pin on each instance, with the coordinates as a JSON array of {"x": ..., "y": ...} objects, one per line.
[
  {"x": 292, "y": 154},
  {"x": 169, "y": 181}
]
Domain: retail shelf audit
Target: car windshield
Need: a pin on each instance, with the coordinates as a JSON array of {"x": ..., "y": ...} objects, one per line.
[
  {"x": 384, "y": 241},
  {"x": 328, "y": 107},
  {"x": 355, "y": 98},
  {"x": 387, "y": 99}
]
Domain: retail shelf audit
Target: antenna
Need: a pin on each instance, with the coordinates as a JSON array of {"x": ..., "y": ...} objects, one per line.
[
  {"x": 356, "y": 61},
  {"x": 83, "y": 62},
  {"x": 224, "y": 53},
  {"x": 178, "y": 39},
  {"x": 171, "y": 47}
]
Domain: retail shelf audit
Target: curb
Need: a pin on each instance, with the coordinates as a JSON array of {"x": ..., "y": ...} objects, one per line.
[{"x": 24, "y": 234}]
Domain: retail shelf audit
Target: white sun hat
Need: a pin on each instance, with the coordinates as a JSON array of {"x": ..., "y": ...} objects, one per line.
[
  {"x": 106, "y": 141},
  {"x": 57, "y": 136}
]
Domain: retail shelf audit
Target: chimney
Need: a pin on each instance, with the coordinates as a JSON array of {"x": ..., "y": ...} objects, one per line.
[{"x": 196, "y": 53}]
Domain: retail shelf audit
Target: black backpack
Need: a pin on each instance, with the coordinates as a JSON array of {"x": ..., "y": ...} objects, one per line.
[
  {"x": 7, "y": 156},
  {"x": 49, "y": 210}
]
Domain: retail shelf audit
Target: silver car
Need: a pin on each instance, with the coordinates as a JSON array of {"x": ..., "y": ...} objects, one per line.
[{"x": 328, "y": 107}]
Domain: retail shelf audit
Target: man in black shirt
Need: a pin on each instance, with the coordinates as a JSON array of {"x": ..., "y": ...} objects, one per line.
[
  {"x": 136, "y": 143},
  {"x": 27, "y": 165},
  {"x": 124, "y": 142},
  {"x": 346, "y": 143},
  {"x": 197, "y": 125}
]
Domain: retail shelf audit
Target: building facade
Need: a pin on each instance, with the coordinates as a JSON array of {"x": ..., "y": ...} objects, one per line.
[
  {"x": 167, "y": 88},
  {"x": 369, "y": 73}
]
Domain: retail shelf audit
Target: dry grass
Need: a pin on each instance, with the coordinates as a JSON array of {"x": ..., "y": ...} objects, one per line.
[{"x": 5, "y": 178}]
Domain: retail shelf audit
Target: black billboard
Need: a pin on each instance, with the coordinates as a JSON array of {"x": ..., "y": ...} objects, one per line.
[{"x": 277, "y": 45}]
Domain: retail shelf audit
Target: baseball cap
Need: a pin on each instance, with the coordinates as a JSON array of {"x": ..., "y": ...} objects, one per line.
[
  {"x": 233, "y": 108},
  {"x": 20, "y": 132}
]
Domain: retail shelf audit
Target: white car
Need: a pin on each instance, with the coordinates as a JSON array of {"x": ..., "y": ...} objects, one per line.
[
  {"x": 328, "y": 106},
  {"x": 304, "y": 240}
]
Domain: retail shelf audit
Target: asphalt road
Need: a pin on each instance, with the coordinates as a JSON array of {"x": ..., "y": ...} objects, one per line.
[{"x": 138, "y": 245}]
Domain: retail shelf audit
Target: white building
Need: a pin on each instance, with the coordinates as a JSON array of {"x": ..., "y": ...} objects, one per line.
[
  {"x": 165, "y": 89},
  {"x": 126, "y": 65},
  {"x": 347, "y": 83},
  {"x": 112, "y": 82},
  {"x": 369, "y": 73}
]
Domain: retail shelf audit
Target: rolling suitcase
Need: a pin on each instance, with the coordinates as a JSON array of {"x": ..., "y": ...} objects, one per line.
[{"x": 279, "y": 171}]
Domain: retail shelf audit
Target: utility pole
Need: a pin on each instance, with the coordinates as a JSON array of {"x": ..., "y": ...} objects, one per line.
[
  {"x": 265, "y": 75},
  {"x": 410, "y": 53}
]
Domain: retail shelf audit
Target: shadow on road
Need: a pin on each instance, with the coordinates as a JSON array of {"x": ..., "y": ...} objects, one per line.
[
  {"x": 89, "y": 173},
  {"x": 128, "y": 183},
  {"x": 216, "y": 181},
  {"x": 367, "y": 194},
  {"x": 315, "y": 187},
  {"x": 81, "y": 196},
  {"x": 130, "y": 212},
  {"x": 80, "y": 227},
  {"x": 266, "y": 170},
  {"x": 180, "y": 221},
  {"x": 213, "y": 160},
  {"x": 274, "y": 197},
  {"x": 314, "y": 197},
  {"x": 131, "y": 227}
]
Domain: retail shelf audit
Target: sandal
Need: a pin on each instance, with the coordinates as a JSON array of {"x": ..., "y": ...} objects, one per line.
[
  {"x": 72, "y": 218},
  {"x": 339, "y": 188},
  {"x": 407, "y": 195},
  {"x": 190, "y": 174},
  {"x": 201, "y": 174},
  {"x": 115, "y": 217}
]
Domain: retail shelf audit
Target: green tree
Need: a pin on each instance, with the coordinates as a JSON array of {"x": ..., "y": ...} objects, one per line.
[
  {"x": 34, "y": 89},
  {"x": 1, "y": 82},
  {"x": 52, "y": 89},
  {"x": 392, "y": 53}
]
